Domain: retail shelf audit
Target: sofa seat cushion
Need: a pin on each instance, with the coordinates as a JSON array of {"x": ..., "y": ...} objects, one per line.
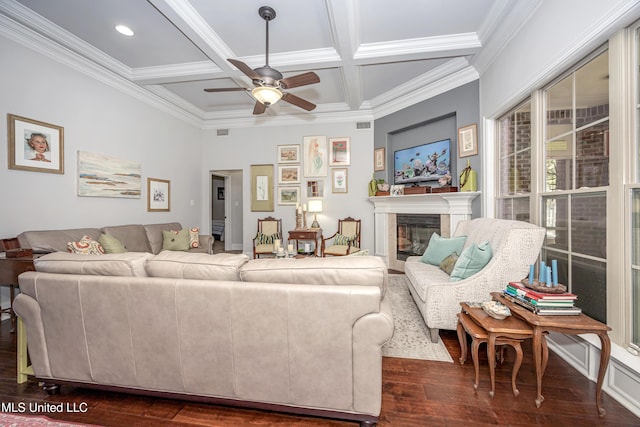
[
  {"x": 46, "y": 241},
  {"x": 132, "y": 236},
  {"x": 363, "y": 271},
  {"x": 187, "y": 265},
  {"x": 265, "y": 249},
  {"x": 125, "y": 264},
  {"x": 423, "y": 275}
]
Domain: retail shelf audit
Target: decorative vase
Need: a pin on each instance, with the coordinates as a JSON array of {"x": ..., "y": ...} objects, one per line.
[
  {"x": 373, "y": 186},
  {"x": 468, "y": 179}
]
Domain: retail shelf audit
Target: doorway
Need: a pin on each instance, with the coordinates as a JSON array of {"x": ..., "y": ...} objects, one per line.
[{"x": 226, "y": 210}]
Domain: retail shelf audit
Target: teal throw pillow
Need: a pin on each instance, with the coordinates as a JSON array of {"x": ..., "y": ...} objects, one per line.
[
  {"x": 471, "y": 261},
  {"x": 175, "y": 240},
  {"x": 440, "y": 247},
  {"x": 111, "y": 245}
]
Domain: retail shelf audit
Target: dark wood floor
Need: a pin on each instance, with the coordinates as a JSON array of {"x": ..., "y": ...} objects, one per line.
[{"x": 415, "y": 393}]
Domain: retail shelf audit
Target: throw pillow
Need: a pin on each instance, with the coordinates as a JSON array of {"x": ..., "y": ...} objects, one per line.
[
  {"x": 448, "y": 263},
  {"x": 194, "y": 238},
  {"x": 110, "y": 244},
  {"x": 440, "y": 247},
  {"x": 343, "y": 240},
  {"x": 86, "y": 246},
  {"x": 471, "y": 261},
  {"x": 175, "y": 240},
  {"x": 267, "y": 239},
  {"x": 364, "y": 252}
]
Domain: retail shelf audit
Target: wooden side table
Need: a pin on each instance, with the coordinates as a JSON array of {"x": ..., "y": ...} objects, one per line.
[
  {"x": 314, "y": 234},
  {"x": 10, "y": 269},
  {"x": 573, "y": 325}
]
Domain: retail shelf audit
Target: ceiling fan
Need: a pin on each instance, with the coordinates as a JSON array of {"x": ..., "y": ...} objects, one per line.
[{"x": 268, "y": 81}]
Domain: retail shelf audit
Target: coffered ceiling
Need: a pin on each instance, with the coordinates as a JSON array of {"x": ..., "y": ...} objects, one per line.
[{"x": 373, "y": 57}]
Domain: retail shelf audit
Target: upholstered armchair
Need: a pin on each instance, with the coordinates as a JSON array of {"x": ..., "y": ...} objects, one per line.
[
  {"x": 269, "y": 230},
  {"x": 346, "y": 240}
]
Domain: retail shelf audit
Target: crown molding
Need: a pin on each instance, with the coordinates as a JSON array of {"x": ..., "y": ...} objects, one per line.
[{"x": 169, "y": 73}]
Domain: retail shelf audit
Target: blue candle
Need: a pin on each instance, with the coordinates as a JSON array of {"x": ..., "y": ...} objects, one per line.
[
  {"x": 543, "y": 272},
  {"x": 548, "y": 276},
  {"x": 554, "y": 269},
  {"x": 531, "y": 273}
]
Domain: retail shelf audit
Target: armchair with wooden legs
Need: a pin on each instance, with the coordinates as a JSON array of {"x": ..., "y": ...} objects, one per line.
[
  {"x": 346, "y": 240},
  {"x": 269, "y": 230}
]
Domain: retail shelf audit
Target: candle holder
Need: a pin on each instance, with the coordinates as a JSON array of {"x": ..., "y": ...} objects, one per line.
[{"x": 543, "y": 288}]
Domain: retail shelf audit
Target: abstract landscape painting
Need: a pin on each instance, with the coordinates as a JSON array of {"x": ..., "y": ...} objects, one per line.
[{"x": 104, "y": 176}]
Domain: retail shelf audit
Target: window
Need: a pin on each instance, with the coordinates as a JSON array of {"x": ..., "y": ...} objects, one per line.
[
  {"x": 635, "y": 217},
  {"x": 515, "y": 164}
]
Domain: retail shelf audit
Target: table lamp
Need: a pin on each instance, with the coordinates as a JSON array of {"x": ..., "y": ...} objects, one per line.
[{"x": 315, "y": 206}]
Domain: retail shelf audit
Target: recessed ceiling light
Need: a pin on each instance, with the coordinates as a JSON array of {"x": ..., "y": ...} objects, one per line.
[{"x": 123, "y": 29}]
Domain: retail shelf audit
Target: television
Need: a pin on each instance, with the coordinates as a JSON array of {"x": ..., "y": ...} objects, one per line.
[{"x": 423, "y": 163}]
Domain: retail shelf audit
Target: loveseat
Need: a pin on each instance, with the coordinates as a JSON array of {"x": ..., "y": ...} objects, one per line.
[
  {"x": 293, "y": 335},
  {"x": 134, "y": 237},
  {"x": 515, "y": 246}
]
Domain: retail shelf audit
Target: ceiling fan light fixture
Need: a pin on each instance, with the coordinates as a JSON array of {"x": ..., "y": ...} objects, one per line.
[{"x": 266, "y": 94}]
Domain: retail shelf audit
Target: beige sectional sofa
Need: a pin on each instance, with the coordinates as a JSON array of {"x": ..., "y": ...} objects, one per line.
[
  {"x": 293, "y": 335},
  {"x": 135, "y": 237}
]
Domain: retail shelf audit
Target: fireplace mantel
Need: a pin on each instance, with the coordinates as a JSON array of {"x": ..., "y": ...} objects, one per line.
[{"x": 456, "y": 205}]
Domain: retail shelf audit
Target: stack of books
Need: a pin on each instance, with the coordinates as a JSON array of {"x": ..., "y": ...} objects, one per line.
[{"x": 551, "y": 304}]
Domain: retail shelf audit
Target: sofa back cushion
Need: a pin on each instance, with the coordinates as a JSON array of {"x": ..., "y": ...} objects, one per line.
[
  {"x": 125, "y": 264},
  {"x": 184, "y": 265},
  {"x": 46, "y": 241},
  {"x": 363, "y": 270},
  {"x": 132, "y": 236},
  {"x": 154, "y": 234}
]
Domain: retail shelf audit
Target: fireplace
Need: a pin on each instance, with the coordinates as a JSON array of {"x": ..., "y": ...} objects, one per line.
[{"x": 413, "y": 232}]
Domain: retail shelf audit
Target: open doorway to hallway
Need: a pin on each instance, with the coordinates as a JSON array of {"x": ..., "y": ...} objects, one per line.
[{"x": 226, "y": 210}]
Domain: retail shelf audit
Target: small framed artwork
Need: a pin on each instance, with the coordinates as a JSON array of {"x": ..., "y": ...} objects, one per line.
[
  {"x": 158, "y": 195},
  {"x": 378, "y": 159},
  {"x": 220, "y": 193},
  {"x": 397, "y": 190},
  {"x": 289, "y": 174},
  {"x": 339, "y": 183},
  {"x": 315, "y": 188},
  {"x": 468, "y": 140},
  {"x": 289, "y": 153},
  {"x": 339, "y": 151},
  {"x": 315, "y": 156},
  {"x": 261, "y": 188},
  {"x": 288, "y": 195},
  {"x": 34, "y": 145}
]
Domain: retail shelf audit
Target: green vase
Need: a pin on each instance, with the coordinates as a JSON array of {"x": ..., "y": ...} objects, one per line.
[{"x": 373, "y": 186}]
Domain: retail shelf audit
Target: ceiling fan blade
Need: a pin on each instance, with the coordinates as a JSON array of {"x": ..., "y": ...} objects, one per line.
[
  {"x": 245, "y": 69},
  {"x": 225, "y": 89},
  {"x": 300, "y": 80},
  {"x": 298, "y": 102},
  {"x": 259, "y": 108}
]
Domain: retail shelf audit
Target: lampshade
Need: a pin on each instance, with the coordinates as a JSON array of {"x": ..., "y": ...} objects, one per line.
[
  {"x": 315, "y": 206},
  {"x": 266, "y": 94}
]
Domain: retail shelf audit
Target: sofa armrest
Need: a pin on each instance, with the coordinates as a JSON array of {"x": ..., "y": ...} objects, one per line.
[{"x": 206, "y": 241}]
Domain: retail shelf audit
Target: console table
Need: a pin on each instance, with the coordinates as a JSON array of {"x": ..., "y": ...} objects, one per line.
[
  {"x": 314, "y": 234},
  {"x": 572, "y": 325}
]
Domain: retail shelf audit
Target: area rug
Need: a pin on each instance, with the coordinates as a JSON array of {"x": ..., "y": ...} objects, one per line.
[
  {"x": 411, "y": 336},
  {"x": 12, "y": 420}
]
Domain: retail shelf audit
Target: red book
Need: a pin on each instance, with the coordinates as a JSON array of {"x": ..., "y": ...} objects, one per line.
[{"x": 542, "y": 296}]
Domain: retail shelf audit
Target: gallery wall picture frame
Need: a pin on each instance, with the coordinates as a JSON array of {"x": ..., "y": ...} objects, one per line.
[
  {"x": 289, "y": 153},
  {"x": 468, "y": 140},
  {"x": 315, "y": 156},
  {"x": 339, "y": 180},
  {"x": 100, "y": 175},
  {"x": 378, "y": 159},
  {"x": 340, "y": 151},
  {"x": 315, "y": 188},
  {"x": 262, "y": 188},
  {"x": 34, "y": 145},
  {"x": 158, "y": 195},
  {"x": 288, "y": 195},
  {"x": 289, "y": 174}
]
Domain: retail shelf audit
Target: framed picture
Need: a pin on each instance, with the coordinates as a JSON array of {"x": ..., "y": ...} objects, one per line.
[
  {"x": 34, "y": 145},
  {"x": 397, "y": 190},
  {"x": 261, "y": 188},
  {"x": 289, "y": 174},
  {"x": 315, "y": 188},
  {"x": 105, "y": 176},
  {"x": 288, "y": 195},
  {"x": 220, "y": 193},
  {"x": 339, "y": 151},
  {"x": 315, "y": 156},
  {"x": 339, "y": 180},
  {"x": 378, "y": 159},
  {"x": 158, "y": 195},
  {"x": 289, "y": 153},
  {"x": 468, "y": 140}
]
